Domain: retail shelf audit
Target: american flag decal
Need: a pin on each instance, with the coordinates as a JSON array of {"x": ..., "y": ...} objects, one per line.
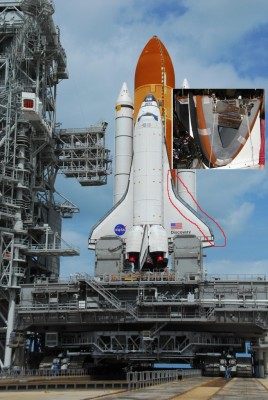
[{"x": 176, "y": 225}]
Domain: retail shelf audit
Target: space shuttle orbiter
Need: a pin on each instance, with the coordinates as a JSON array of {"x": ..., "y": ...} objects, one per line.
[{"x": 150, "y": 213}]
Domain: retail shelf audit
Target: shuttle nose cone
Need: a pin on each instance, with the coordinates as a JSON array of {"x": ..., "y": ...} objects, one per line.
[{"x": 149, "y": 98}]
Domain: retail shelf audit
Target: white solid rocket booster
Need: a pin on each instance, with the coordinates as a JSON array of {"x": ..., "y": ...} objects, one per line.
[{"x": 123, "y": 142}]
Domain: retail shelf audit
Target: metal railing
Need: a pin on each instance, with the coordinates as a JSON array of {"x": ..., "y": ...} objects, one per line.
[
  {"x": 17, "y": 372},
  {"x": 164, "y": 276},
  {"x": 235, "y": 277},
  {"x": 138, "y": 380}
]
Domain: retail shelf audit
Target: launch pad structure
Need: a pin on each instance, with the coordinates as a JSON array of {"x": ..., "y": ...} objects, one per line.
[
  {"x": 33, "y": 150},
  {"x": 117, "y": 317}
]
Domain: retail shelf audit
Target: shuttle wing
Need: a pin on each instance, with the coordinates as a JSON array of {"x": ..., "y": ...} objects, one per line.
[
  {"x": 117, "y": 221},
  {"x": 179, "y": 217}
]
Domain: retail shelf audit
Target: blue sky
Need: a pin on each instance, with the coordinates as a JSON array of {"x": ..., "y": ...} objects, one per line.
[{"x": 214, "y": 43}]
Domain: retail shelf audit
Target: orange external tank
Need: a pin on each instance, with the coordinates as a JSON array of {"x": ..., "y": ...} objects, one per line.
[{"x": 155, "y": 74}]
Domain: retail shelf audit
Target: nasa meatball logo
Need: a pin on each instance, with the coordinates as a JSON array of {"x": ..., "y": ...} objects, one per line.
[{"x": 120, "y": 229}]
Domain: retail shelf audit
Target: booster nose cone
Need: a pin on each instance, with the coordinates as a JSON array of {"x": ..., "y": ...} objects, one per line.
[
  {"x": 124, "y": 96},
  {"x": 185, "y": 84}
]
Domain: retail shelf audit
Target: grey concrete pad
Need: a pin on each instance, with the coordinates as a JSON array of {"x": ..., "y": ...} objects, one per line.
[
  {"x": 243, "y": 389},
  {"x": 198, "y": 388},
  {"x": 57, "y": 395}
]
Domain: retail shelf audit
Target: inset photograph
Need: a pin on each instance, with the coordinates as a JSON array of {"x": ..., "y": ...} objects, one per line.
[{"x": 219, "y": 128}]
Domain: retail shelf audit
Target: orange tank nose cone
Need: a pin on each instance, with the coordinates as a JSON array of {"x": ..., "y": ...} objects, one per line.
[{"x": 153, "y": 61}]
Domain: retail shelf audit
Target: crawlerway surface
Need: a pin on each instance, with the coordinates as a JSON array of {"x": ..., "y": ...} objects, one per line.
[{"x": 199, "y": 388}]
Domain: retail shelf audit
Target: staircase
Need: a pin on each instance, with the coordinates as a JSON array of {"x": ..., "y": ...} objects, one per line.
[{"x": 113, "y": 300}]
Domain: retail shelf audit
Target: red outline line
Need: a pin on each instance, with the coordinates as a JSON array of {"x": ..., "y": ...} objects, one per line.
[{"x": 192, "y": 222}]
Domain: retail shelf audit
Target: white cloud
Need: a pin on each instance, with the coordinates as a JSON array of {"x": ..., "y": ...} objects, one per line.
[
  {"x": 104, "y": 39},
  {"x": 236, "y": 221},
  {"x": 222, "y": 192},
  {"x": 237, "y": 267},
  {"x": 237, "y": 201},
  {"x": 211, "y": 27}
]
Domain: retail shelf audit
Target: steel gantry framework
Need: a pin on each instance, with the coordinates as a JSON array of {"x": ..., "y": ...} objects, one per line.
[
  {"x": 32, "y": 63},
  {"x": 145, "y": 318}
]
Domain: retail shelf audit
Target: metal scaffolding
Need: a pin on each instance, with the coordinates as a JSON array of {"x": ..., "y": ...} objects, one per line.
[
  {"x": 82, "y": 154},
  {"x": 32, "y": 63}
]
